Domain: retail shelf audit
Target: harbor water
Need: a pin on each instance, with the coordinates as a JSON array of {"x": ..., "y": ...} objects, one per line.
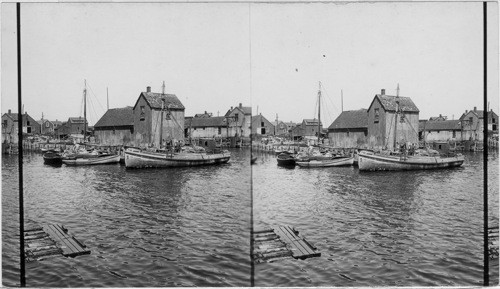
[
  {"x": 416, "y": 228},
  {"x": 191, "y": 226},
  {"x": 154, "y": 228}
]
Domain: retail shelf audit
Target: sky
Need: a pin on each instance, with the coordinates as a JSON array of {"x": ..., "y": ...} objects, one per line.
[{"x": 268, "y": 56}]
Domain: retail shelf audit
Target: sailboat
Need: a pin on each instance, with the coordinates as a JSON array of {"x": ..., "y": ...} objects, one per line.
[
  {"x": 181, "y": 157},
  {"x": 83, "y": 157},
  {"x": 322, "y": 160},
  {"x": 370, "y": 161}
]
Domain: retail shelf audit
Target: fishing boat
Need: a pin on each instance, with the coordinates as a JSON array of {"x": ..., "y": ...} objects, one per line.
[
  {"x": 97, "y": 160},
  {"x": 285, "y": 159},
  {"x": 369, "y": 161},
  {"x": 405, "y": 159},
  {"x": 52, "y": 158},
  {"x": 138, "y": 158},
  {"x": 335, "y": 162}
]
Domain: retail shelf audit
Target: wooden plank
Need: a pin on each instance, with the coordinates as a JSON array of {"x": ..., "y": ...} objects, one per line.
[
  {"x": 297, "y": 250},
  {"x": 292, "y": 240},
  {"x": 77, "y": 247},
  {"x": 68, "y": 249},
  {"x": 70, "y": 242},
  {"x": 304, "y": 244}
]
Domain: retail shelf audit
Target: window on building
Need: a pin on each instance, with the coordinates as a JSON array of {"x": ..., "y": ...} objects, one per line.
[
  {"x": 28, "y": 123},
  {"x": 203, "y": 128},
  {"x": 262, "y": 124},
  {"x": 143, "y": 113},
  {"x": 4, "y": 123},
  {"x": 47, "y": 124},
  {"x": 348, "y": 134},
  {"x": 219, "y": 130},
  {"x": 401, "y": 118},
  {"x": 471, "y": 120},
  {"x": 376, "y": 115},
  {"x": 493, "y": 120},
  {"x": 263, "y": 130},
  {"x": 494, "y": 127},
  {"x": 454, "y": 134},
  {"x": 235, "y": 117},
  {"x": 437, "y": 131}
]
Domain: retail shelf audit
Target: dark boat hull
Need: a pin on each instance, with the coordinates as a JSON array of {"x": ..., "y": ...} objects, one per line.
[{"x": 52, "y": 160}]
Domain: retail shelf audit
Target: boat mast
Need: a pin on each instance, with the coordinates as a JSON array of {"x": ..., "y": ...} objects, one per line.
[
  {"x": 84, "y": 110},
  {"x": 319, "y": 112},
  {"x": 162, "y": 108},
  {"x": 396, "y": 118}
]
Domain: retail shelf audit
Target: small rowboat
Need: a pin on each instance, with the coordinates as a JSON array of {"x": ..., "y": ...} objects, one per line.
[
  {"x": 99, "y": 160},
  {"x": 285, "y": 159},
  {"x": 336, "y": 162}
]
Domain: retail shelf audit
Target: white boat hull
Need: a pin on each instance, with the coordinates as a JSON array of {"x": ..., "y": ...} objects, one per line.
[
  {"x": 371, "y": 162},
  {"x": 135, "y": 158},
  {"x": 92, "y": 161},
  {"x": 327, "y": 163}
]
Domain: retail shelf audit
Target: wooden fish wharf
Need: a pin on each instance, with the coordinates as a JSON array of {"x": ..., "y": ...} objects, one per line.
[
  {"x": 49, "y": 241},
  {"x": 281, "y": 242}
]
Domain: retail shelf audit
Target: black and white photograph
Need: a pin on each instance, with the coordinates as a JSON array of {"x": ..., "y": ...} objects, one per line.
[{"x": 250, "y": 144}]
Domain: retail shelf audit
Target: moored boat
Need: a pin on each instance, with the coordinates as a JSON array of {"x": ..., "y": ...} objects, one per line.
[
  {"x": 52, "y": 158},
  {"x": 285, "y": 159},
  {"x": 369, "y": 161},
  {"x": 137, "y": 158},
  {"x": 98, "y": 160},
  {"x": 335, "y": 162}
]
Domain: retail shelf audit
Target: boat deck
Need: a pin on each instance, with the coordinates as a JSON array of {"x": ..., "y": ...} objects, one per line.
[{"x": 279, "y": 243}]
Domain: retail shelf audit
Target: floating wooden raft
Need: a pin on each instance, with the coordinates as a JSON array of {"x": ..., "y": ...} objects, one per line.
[
  {"x": 493, "y": 242},
  {"x": 51, "y": 240},
  {"x": 280, "y": 243}
]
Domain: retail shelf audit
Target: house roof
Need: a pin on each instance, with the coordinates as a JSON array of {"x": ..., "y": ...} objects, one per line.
[
  {"x": 117, "y": 117},
  {"x": 260, "y": 117},
  {"x": 76, "y": 120},
  {"x": 206, "y": 114},
  {"x": 214, "y": 121},
  {"x": 388, "y": 102},
  {"x": 155, "y": 100},
  {"x": 351, "y": 119},
  {"x": 246, "y": 110},
  {"x": 480, "y": 114},
  {"x": 439, "y": 125},
  {"x": 311, "y": 121}
]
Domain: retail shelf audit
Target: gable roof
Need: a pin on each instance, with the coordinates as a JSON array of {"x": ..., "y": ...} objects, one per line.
[
  {"x": 261, "y": 118},
  {"x": 246, "y": 110},
  {"x": 388, "y": 102},
  {"x": 311, "y": 121},
  {"x": 439, "y": 125},
  {"x": 76, "y": 120},
  {"x": 480, "y": 114},
  {"x": 351, "y": 119},
  {"x": 117, "y": 117},
  {"x": 214, "y": 121},
  {"x": 154, "y": 100}
]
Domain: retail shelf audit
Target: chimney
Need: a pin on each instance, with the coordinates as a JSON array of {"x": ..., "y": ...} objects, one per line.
[
  {"x": 465, "y": 111},
  {"x": 9, "y": 112},
  {"x": 231, "y": 108},
  {"x": 148, "y": 89},
  {"x": 240, "y": 105},
  {"x": 383, "y": 91},
  {"x": 205, "y": 112},
  {"x": 475, "y": 109},
  {"x": 440, "y": 115}
]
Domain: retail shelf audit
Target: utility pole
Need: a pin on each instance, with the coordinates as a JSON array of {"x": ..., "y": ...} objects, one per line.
[{"x": 85, "y": 111}]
